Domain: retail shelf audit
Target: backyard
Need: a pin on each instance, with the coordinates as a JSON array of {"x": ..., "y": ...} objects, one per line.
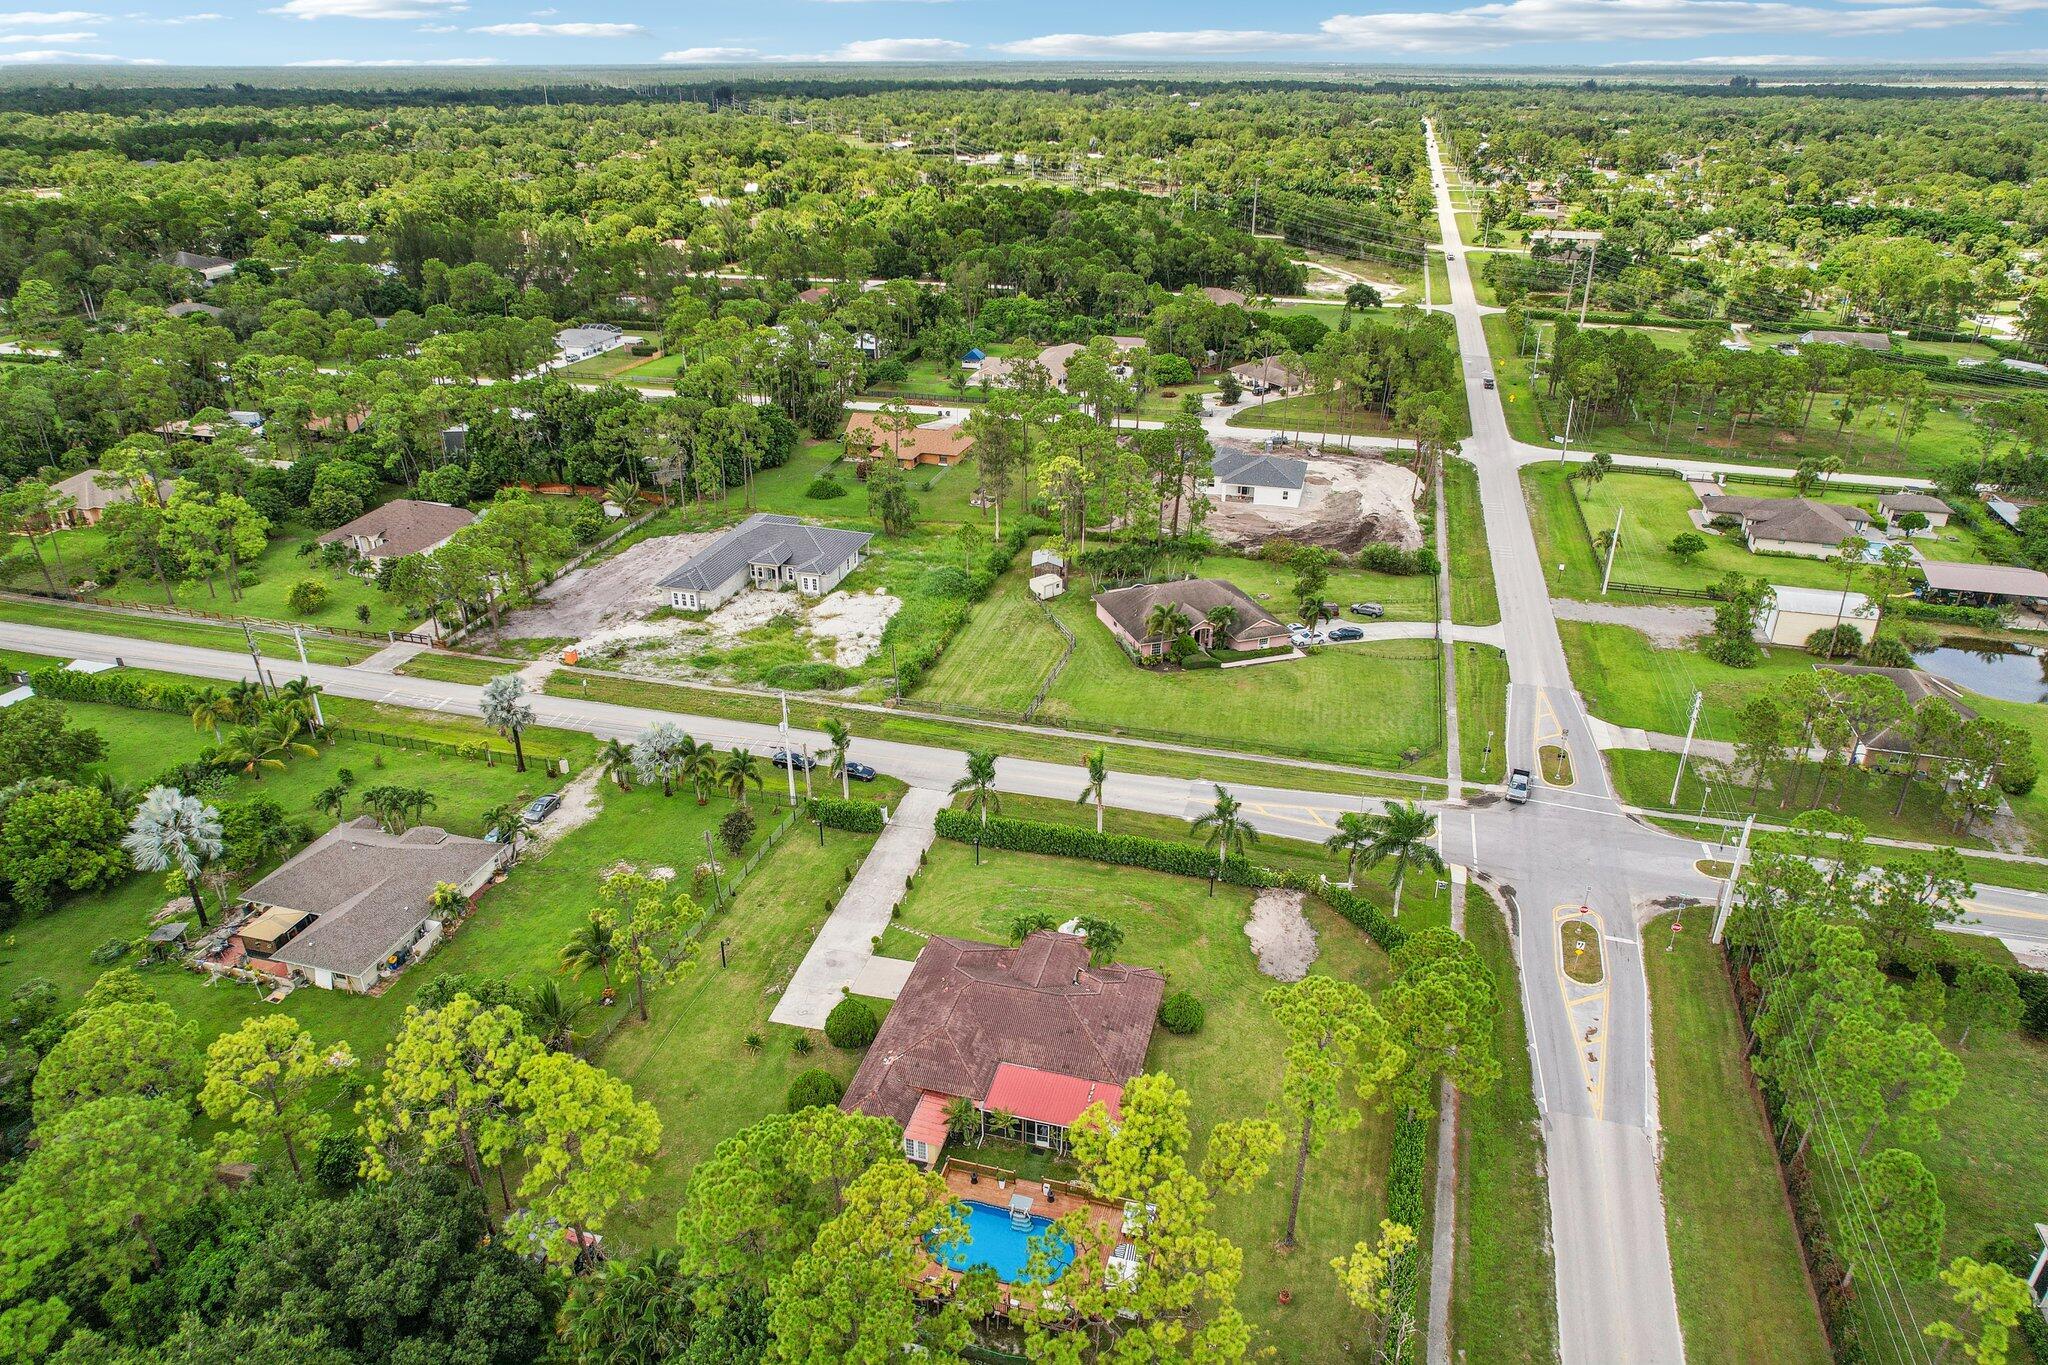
[{"x": 1231, "y": 1068}]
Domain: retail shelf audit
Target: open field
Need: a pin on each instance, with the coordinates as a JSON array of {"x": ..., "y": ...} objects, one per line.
[
  {"x": 1724, "y": 1202},
  {"x": 1002, "y": 656},
  {"x": 1503, "y": 1295},
  {"x": 1230, "y": 1068},
  {"x": 1482, "y": 712},
  {"x": 170, "y": 630},
  {"x": 1474, "y": 600}
]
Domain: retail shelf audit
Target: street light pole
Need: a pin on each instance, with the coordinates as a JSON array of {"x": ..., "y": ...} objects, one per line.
[
  {"x": 1727, "y": 899},
  {"x": 1691, "y": 724},
  {"x": 1613, "y": 544},
  {"x": 711, "y": 856},
  {"x": 788, "y": 757}
]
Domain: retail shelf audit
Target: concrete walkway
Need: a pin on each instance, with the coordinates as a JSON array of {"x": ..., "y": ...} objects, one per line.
[{"x": 843, "y": 955}]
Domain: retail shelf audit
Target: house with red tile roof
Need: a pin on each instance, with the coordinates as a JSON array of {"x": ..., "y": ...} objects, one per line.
[{"x": 1035, "y": 1032}]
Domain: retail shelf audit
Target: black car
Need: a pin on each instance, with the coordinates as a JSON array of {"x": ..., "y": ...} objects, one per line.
[
  {"x": 783, "y": 758},
  {"x": 1370, "y": 610},
  {"x": 1344, "y": 635},
  {"x": 859, "y": 772}
]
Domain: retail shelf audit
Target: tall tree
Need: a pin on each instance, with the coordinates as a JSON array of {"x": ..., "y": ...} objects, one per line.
[
  {"x": 1402, "y": 834},
  {"x": 1098, "y": 777},
  {"x": 260, "y": 1078},
  {"x": 447, "y": 1091},
  {"x": 647, "y": 923},
  {"x": 979, "y": 783},
  {"x": 1992, "y": 1299},
  {"x": 171, "y": 831},
  {"x": 126, "y": 1047},
  {"x": 586, "y": 1142},
  {"x": 1339, "y": 1054},
  {"x": 1441, "y": 1007},
  {"x": 505, "y": 711}
]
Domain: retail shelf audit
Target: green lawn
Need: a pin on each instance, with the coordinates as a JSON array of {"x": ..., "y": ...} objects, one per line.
[
  {"x": 1001, "y": 657},
  {"x": 1482, "y": 712},
  {"x": 1628, "y": 681},
  {"x": 168, "y": 630},
  {"x": 1308, "y": 412},
  {"x": 1643, "y": 778},
  {"x": 1562, "y": 538},
  {"x": 692, "y": 1060},
  {"x": 1131, "y": 755},
  {"x": 1742, "y": 1286},
  {"x": 443, "y": 666},
  {"x": 1865, "y": 447},
  {"x": 1474, "y": 601},
  {"x": 1373, "y": 704},
  {"x": 1230, "y": 1069},
  {"x": 1504, "y": 1292},
  {"x": 1407, "y": 597}
]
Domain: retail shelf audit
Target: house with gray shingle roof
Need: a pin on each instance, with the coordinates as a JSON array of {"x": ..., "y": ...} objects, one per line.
[
  {"x": 768, "y": 550},
  {"x": 1127, "y": 614},
  {"x": 1253, "y": 476},
  {"x": 1792, "y": 526},
  {"x": 357, "y": 898}
]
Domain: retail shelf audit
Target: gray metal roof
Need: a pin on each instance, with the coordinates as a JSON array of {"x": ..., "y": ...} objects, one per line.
[
  {"x": 1258, "y": 469},
  {"x": 769, "y": 538},
  {"x": 367, "y": 889}
]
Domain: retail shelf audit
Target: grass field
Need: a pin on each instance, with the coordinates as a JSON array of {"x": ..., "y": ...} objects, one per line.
[
  {"x": 1474, "y": 600},
  {"x": 1482, "y": 712},
  {"x": 1308, "y": 412},
  {"x": 1230, "y": 1068},
  {"x": 1724, "y": 1203},
  {"x": 1503, "y": 1293},
  {"x": 170, "y": 631},
  {"x": 913, "y": 728},
  {"x": 1643, "y": 778},
  {"x": 443, "y": 666},
  {"x": 1001, "y": 657}
]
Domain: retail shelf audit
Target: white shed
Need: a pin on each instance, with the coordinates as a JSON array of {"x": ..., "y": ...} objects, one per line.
[
  {"x": 1798, "y": 612},
  {"x": 1047, "y": 586}
]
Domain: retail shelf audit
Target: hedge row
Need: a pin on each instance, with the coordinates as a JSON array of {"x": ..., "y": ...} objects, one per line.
[
  {"x": 861, "y": 817},
  {"x": 1406, "y": 1204},
  {"x": 116, "y": 689},
  {"x": 1984, "y": 618},
  {"x": 911, "y": 668},
  {"x": 1157, "y": 855}
]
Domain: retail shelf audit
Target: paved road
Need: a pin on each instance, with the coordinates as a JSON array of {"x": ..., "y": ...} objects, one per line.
[{"x": 1577, "y": 858}]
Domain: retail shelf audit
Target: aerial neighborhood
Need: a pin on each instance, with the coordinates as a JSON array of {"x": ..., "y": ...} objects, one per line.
[{"x": 761, "y": 692}]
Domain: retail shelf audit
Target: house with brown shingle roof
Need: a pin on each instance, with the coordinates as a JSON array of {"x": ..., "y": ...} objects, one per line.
[
  {"x": 90, "y": 498},
  {"x": 1127, "y": 613},
  {"x": 943, "y": 445},
  {"x": 1035, "y": 1032},
  {"x": 403, "y": 526},
  {"x": 1793, "y": 526}
]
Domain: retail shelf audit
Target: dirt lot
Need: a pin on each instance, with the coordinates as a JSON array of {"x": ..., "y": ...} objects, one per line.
[
  {"x": 1347, "y": 501},
  {"x": 617, "y": 589}
]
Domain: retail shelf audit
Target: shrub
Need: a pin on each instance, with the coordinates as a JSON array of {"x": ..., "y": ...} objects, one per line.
[
  {"x": 113, "y": 950},
  {"x": 1835, "y": 642},
  {"x": 860, "y": 817},
  {"x": 825, "y": 486},
  {"x": 943, "y": 581},
  {"x": 1181, "y": 1013},
  {"x": 1169, "y": 369},
  {"x": 888, "y": 372},
  {"x": 307, "y": 596},
  {"x": 807, "y": 677},
  {"x": 1888, "y": 653},
  {"x": 736, "y": 830},
  {"x": 851, "y": 1024},
  {"x": 1405, "y": 1205},
  {"x": 337, "y": 1158},
  {"x": 815, "y": 1088},
  {"x": 1984, "y": 618}
]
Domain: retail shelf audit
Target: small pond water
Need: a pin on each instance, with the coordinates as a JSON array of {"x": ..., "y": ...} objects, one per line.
[{"x": 1993, "y": 670}]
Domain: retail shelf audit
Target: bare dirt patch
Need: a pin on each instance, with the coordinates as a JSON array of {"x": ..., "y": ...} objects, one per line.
[
  {"x": 1282, "y": 938},
  {"x": 582, "y": 802},
  {"x": 1347, "y": 501},
  {"x": 853, "y": 622},
  {"x": 621, "y": 587}
]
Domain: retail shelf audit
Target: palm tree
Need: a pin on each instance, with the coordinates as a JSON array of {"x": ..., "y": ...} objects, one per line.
[
  {"x": 246, "y": 697},
  {"x": 658, "y": 755},
  {"x": 591, "y": 946},
  {"x": 1223, "y": 829},
  {"x": 418, "y": 801},
  {"x": 333, "y": 800},
  {"x": 841, "y": 749},
  {"x": 979, "y": 784},
  {"x": 1165, "y": 622},
  {"x": 698, "y": 763},
  {"x": 1354, "y": 836},
  {"x": 963, "y": 1119},
  {"x": 507, "y": 821},
  {"x": 244, "y": 750},
  {"x": 737, "y": 769},
  {"x": 506, "y": 713},
  {"x": 1098, "y": 774},
  {"x": 119, "y": 794},
  {"x": 173, "y": 831},
  {"x": 552, "y": 1016},
  {"x": 446, "y": 901},
  {"x": 615, "y": 761},
  {"x": 1222, "y": 619},
  {"x": 1403, "y": 834},
  {"x": 302, "y": 698},
  {"x": 210, "y": 708}
]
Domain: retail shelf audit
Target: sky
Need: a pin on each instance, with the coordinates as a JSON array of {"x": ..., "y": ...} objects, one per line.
[{"x": 792, "y": 33}]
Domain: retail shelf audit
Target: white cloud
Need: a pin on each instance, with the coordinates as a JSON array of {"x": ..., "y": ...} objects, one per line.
[
  {"x": 397, "y": 61},
  {"x": 885, "y": 50},
  {"x": 1189, "y": 43},
  {"x": 367, "y": 9},
  {"x": 59, "y": 57},
  {"x": 1740, "y": 59},
  {"x": 173, "y": 20},
  {"x": 713, "y": 56},
  {"x": 576, "y": 30},
  {"x": 49, "y": 38},
  {"x": 439, "y": 28},
  {"x": 44, "y": 18}
]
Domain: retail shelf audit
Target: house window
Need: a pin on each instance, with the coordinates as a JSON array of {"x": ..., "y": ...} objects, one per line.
[
  {"x": 1040, "y": 1134},
  {"x": 920, "y": 1152},
  {"x": 810, "y": 583}
]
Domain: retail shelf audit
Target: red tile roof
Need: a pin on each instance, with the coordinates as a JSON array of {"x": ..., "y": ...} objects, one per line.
[
  {"x": 968, "y": 1007},
  {"x": 1048, "y": 1096},
  {"x": 928, "y": 1121}
]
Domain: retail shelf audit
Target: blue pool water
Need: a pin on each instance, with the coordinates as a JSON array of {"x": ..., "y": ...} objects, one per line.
[{"x": 992, "y": 1242}]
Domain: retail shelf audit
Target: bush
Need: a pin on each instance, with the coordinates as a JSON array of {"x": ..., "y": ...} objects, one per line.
[
  {"x": 888, "y": 372},
  {"x": 860, "y": 817},
  {"x": 307, "y": 596},
  {"x": 807, "y": 677},
  {"x": 336, "y": 1161},
  {"x": 113, "y": 950},
  {"x": 1887, "y": 653},
  {"x": 1181, "y": 1013},
  {"x": 1835, "y": 642},
  {"x": 825, "y": 486},
  {"x": 944, "y": 581},
  {"x": 1392, "y": 559},
  {"x": 1984, "y": 618},
  {"x": 1405, "y": 1205},
  {"x": 736, "y": 830},
  {"x": 851, "y": 1024},
  {"x": 1170, "y": 369},
  {"x": 815, "y": 1088}
]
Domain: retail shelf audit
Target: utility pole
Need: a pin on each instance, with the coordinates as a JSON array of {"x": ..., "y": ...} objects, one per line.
[
  {"x": 255, "y": 659},
  {"x": 711, "y": 857},
  {"x": 1587, "y": 297},
  {"x": 1613, "y": 544},
  {"x": 1571, "y": 410},
  {"x": 1727, "y": 899},
  {"x": 1255, "y": 208},
  {"x": 788, "y": 755},
  {"x": 1691, "y": 724}
]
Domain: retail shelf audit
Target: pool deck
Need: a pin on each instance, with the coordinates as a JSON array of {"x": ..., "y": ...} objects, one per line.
[{"x": 995, "y": 1188}]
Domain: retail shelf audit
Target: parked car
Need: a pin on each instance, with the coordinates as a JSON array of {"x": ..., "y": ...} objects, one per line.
[
  {"x": 783, "y": 758},
  {"x": 1372, "y": 611},
  {"x": 1344, "y": 635},
  {"x": 541, "y": 807},
  {"x": 859, "y": 772},
  {"x": 1518, "y": 785},
  {"x": 1487, "y": 382},
  {"x": 1302, "y": 635}
]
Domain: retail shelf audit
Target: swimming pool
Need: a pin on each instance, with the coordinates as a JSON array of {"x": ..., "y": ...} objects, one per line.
[{"x": 991, "y": 1241}]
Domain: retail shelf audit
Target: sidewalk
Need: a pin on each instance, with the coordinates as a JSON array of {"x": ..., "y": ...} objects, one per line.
[{"x": 843, "y": 953}]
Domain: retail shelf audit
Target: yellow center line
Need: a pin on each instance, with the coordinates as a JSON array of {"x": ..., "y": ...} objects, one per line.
[
  {"x": 1990, "y": 909},
  {"x": 1594, "y": 1073}
]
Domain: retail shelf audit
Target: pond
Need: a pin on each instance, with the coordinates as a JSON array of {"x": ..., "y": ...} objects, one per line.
[{"x": 1989, "y": 668}]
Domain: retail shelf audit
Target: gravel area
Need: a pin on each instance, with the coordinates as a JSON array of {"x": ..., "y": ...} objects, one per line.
[
  {"x": 576, "y": 604},
  {"x": 1667, "y": 627},
  {"x": 1282, "y": 937}
]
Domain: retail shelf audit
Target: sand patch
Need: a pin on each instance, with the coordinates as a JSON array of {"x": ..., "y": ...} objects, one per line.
[
  {"x": 1282, "y": 938},
  {"x": 1347, "y": 501},
  {"x": 582, "y": 801},
  {"x": 854, "y": 623}
]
